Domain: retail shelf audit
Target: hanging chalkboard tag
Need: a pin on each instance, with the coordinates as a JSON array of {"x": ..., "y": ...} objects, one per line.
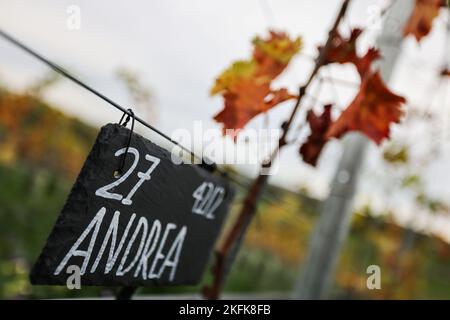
[{"x": 153, "y": 223}]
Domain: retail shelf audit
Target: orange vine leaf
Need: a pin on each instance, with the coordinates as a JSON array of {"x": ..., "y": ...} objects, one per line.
[
  {"x": 420, "y": 22},
  {"x": 445, "y": 72},
  {"x": 372, "y": 111},
  {"x": 273, "y": 55},
  {"x": 319, "y": 125},
  {"x": 246, "y": 85},
  {"x": 247, "y": 100},
  {"x": 343, "y": 50}
]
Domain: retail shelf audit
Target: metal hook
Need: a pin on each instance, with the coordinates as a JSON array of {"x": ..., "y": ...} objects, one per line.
[{"x": 130, "y": 115}]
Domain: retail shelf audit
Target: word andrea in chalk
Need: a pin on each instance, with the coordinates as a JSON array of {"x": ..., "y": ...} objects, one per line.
[{"x": 151, "y": 241}]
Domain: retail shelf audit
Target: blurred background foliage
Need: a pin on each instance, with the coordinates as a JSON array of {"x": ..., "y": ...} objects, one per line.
[{"x": 42, "y": 150}]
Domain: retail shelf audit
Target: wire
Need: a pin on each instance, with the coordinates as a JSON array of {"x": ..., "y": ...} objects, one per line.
[
  {"x": 63, "y": 72},
  {"x": 209, "y": 165}
]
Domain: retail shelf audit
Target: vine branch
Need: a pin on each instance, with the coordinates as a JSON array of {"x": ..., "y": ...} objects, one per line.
[{"x": 227, "y": 250}]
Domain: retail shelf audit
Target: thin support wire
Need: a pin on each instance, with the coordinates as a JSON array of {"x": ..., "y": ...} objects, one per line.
[{"x": 66, "y": 74}]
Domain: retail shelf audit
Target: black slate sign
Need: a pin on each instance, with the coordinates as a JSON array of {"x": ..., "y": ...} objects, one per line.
[{"x": 156, "y": 224}]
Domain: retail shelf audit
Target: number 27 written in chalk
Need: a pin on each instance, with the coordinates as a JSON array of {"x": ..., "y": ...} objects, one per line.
[{"x": 207, "y": 196}]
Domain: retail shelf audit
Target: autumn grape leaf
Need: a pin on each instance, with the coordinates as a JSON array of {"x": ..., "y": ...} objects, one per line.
[
  {"x": 343, "y": 50},
  {"x": 246, "y": 100},
  {"x": 372, "y": 111},
  {"x": 420, "y": 22},
  {"x": 274, "y": 54},
  {"x": 246, "y": 85},
  {"x": 239, "y": 71},
  {"x": 445, "y": 72},
  {"x": 319, "y": 125}
]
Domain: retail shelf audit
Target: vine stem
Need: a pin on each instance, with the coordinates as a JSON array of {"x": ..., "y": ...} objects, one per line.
[{"x": 227, "y": 250}]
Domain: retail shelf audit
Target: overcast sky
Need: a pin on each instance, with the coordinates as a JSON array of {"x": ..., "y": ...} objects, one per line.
[{"x": 179, "y": 47}]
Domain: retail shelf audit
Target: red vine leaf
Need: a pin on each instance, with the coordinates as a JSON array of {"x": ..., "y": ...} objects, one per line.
[
  {"x": 445, "y": 72},
  {"x": 246, "y": 85},
  {"x": 343, "y": 50},
  {"x": 319, "y": 125},
  {"x": 420, "y": 22},
  {"x": 272, "y": 55},
  {"x": 372, "y": 111},
  {"x": 247, "y": 99}
]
